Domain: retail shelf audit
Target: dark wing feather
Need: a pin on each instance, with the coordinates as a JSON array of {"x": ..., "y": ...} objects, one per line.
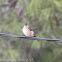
[{"x": 29, "y": 28}]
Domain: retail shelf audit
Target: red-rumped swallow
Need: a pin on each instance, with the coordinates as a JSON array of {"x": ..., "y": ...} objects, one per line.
[{"x": 27, "y": 31}]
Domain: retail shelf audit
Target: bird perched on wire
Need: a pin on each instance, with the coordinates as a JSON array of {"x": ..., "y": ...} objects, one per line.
[{"x": 27, "y": 31}]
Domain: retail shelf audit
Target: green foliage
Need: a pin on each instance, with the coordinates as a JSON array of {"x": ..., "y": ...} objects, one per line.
[
  {"x": 45, "y": 19},
  {"x": 36, "y": 45},
  {"x": 11, "y": 54}
]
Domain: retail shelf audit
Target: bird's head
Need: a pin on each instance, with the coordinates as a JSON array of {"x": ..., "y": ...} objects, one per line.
[{"x": 26, "y": 25}]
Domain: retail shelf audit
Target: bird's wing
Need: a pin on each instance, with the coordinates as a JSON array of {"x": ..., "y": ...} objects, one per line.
[{"x": 29, "y": 28}]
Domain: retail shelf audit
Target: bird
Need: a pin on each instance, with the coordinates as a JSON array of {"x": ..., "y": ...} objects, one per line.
[{"x": 27, "y": 31}]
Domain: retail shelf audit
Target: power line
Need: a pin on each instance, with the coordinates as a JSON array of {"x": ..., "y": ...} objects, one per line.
[{"x": 32, "y": 38}]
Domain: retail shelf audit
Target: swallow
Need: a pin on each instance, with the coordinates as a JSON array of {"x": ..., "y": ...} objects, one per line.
[{"x": 27, "y": 31}]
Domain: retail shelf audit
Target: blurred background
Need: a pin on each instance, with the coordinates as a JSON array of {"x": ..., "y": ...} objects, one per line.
[{"x": 45, "y": 19}]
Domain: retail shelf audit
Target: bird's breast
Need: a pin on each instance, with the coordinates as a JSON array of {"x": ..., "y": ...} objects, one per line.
[{"x": 26, "y": 31}]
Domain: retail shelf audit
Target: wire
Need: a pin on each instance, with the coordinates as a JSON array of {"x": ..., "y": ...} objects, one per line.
[{"x": 32, "y": 38}]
